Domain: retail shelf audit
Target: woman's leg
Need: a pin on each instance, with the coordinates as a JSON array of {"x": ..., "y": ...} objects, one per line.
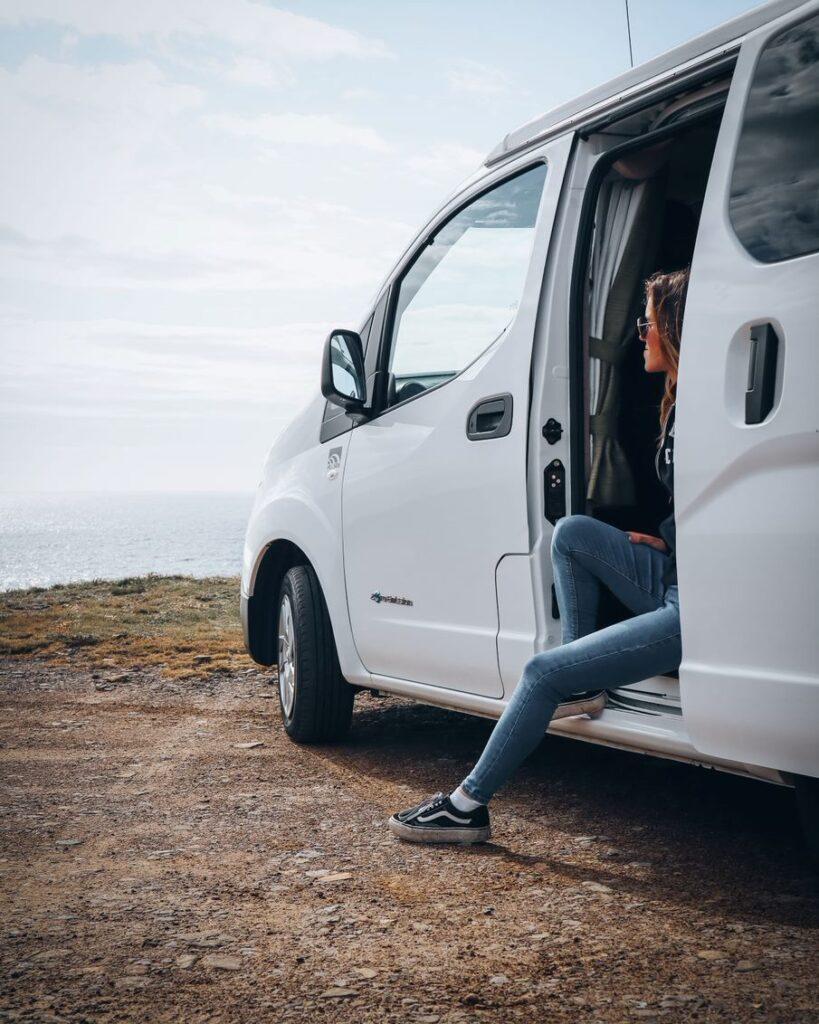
[
  {"x": 588, "y": 554},
  {"x": 626, "y": 652}
]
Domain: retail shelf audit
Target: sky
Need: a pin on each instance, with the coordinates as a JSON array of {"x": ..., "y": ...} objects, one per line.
[{"x": 193, "y": 192}]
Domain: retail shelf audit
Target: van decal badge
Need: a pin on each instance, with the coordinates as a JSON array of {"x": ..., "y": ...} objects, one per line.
[
  {"x": 334, "y": 463},
  {"x": 378, "y": 597}
]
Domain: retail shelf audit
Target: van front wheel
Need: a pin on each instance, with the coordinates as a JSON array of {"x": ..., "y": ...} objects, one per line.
[{"x": 316, "y": 701}]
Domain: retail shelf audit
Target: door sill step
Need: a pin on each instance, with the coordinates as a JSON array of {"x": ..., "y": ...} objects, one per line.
[{"x": 619, "y": 700}]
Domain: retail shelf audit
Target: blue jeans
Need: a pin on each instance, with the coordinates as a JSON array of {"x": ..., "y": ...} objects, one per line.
[{"x": 586, "y": 555}]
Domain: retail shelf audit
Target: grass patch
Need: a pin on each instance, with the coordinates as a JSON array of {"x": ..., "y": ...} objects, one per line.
[{"x": 185, "y": 627}]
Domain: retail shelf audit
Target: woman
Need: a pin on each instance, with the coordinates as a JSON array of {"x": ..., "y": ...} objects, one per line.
[{"x": 586, "y": 554}]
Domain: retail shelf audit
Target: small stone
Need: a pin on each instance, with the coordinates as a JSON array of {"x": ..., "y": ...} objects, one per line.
[
  {"x": 365, "y": 972},
  {"x": 338, "y": 876},
  {"x": 50, "y": 954},
  {"x": 596, "y": 887},
  {"x": 185, "y": 961},
  {"x": 222, "y": 963},
  {"x": 498, "y": 979},
  {"x": 201, "y": 940},
  {"x": 131, "y": 982},
  {"x": 65, "y": 843},
  {"x": 338, "y": 993},
  {"x": 710, "y": 954},
  {"x": 745, "y": 965},
  {"x": 249, "y": 746}
]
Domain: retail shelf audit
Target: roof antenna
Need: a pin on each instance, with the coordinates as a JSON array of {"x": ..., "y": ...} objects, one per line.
[{"x": 628, "y": 26}]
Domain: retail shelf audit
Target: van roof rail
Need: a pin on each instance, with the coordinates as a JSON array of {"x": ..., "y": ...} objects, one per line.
[{"x": 707, "y": 48}]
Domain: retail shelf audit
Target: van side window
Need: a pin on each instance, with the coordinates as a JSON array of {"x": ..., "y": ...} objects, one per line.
[
  {"x": 774, "y": 203},
  {"x": 462, "y": 291}
]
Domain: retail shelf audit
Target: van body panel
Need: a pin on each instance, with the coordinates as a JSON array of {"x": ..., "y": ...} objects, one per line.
[{"x": 746, "y": 494}]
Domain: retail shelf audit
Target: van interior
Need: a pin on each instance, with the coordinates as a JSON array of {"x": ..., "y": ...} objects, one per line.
[{"x": 646, "y": 214}]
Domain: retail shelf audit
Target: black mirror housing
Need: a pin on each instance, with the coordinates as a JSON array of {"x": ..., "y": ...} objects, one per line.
[{"x": 343, "y": 377}]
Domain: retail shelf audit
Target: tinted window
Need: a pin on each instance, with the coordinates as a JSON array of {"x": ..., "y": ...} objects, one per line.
[
  {"x": 774, "y": 203},
  {"x": 463, "y": 290}
]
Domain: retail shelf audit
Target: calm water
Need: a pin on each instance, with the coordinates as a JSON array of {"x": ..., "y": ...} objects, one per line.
[{"x": 62, "y": 538}]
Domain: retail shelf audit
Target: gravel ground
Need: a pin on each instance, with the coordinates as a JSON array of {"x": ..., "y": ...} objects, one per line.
[{"x": 168, "y": 854}]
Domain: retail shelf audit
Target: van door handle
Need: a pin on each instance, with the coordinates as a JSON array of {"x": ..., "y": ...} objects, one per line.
[
  {"x": 759, "y": 391},
  {"x": 491, "y": 417}
]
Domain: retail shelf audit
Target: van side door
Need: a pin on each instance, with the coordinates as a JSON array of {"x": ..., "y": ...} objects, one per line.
[
  {"x": 747, "y": 426},
  {"x": 435, "y": 490}
]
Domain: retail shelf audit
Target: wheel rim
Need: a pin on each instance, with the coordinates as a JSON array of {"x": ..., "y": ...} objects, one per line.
[{"x": 287, "y": 657}]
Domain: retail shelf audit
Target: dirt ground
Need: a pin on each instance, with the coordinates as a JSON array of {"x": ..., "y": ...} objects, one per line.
[{"x": 169, "y": 855}]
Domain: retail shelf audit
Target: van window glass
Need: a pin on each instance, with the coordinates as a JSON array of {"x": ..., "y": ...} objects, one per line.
[
  {"x": 774, "y": 203},
  {"x": 463, "y": 289}
]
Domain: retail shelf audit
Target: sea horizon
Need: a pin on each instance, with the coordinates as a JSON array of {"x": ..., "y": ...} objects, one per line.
[{"x": 58, "y": 537}]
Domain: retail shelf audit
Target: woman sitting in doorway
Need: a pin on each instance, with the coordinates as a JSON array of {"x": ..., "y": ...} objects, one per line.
[{"x": 587, "y": 553}]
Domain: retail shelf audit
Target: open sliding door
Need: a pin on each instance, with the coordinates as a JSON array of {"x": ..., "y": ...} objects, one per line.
[{"x": 747, "y": 429}]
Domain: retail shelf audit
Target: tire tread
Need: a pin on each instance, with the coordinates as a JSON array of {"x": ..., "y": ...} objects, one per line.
[{"x": 324, "y": 699}]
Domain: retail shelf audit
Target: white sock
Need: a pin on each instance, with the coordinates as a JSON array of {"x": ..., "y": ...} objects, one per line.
[{"x": 462, "y": 801}]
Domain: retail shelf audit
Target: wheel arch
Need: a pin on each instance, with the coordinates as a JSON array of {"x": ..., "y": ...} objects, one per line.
[{"x": 277, "y": 558}]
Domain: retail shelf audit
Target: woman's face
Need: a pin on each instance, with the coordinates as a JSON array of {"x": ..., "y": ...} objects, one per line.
[{"x": 653, "y": 359}]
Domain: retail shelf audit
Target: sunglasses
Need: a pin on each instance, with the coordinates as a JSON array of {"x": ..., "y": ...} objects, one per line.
[{"x": 642, "y": 328}]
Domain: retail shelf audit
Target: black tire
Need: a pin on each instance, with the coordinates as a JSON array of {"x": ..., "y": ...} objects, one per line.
[
  {"x": 807, "y": 800},
  {"x": 321, "y": 700}
]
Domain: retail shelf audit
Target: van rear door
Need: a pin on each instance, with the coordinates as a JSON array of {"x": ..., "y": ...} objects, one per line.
[{"x": 747, "y": 430}]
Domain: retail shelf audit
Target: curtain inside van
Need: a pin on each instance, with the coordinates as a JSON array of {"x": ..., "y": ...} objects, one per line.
[{"x": 626, "y": 234}]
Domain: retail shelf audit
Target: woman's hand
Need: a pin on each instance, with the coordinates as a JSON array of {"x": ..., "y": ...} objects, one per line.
[{"x": 646, "y": 538}]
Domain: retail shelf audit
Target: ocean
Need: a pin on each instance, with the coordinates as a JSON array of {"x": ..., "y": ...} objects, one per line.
[{"x": 64, "y": 538}]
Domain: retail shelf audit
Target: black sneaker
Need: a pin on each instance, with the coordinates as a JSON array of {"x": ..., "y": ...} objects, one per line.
[{"x": 438, "y": 820}]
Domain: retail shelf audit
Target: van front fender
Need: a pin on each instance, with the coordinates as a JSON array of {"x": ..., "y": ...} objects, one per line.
[{"x": 292, "y": 529}]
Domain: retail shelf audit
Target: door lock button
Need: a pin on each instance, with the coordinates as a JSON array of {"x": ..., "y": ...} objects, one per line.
[{"x": 552, "y": 430}]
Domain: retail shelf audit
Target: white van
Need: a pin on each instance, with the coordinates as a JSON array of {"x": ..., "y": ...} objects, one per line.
[{"x": 400, "y": 538}]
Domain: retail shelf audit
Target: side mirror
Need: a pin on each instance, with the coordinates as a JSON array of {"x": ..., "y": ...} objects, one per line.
[{"x": 343, "y": 381}]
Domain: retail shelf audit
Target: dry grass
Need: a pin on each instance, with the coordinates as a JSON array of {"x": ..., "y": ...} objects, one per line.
[{"x": 185, "y": 627}]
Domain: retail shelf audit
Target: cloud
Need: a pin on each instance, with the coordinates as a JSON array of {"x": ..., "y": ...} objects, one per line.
[
  {"x": 254, "y": 28},
  {"x": 104, "y": 95},
  {"x": 468, "y": 76},
  {"x": 114, "y": 368},
  {"x": 300, "y": 130},
  {"x": 258, "y": 73},
  {"x": 286, "y": 258},
  {"x": 448, "y": 162},
  {"x": 359, "y": 93}
]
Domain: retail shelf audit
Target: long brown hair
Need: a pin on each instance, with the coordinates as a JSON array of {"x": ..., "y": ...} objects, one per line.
[{"x": 667, "y": 293}]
